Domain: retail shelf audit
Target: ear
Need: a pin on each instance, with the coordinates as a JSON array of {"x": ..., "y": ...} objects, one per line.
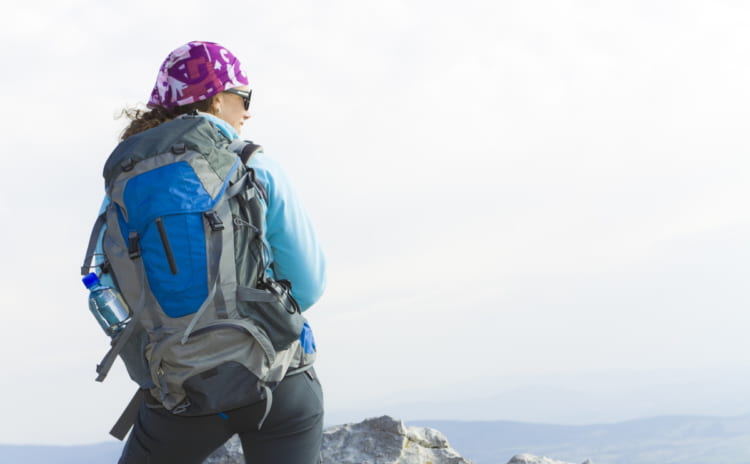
[{"x": 216, "y": 103}]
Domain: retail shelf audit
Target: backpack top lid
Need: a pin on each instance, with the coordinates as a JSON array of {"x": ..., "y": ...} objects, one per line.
[{"x": 192, "y": 131}]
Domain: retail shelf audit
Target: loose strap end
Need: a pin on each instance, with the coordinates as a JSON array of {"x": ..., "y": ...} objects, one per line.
[{"x": 127, "y": 418}]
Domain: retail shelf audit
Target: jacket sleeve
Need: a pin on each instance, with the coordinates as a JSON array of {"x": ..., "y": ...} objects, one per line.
[{"x": 295, "y": 252}]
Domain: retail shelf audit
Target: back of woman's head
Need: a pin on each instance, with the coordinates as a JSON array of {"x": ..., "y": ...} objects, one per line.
[
  {"x": 187, "y": 81},
  {"x": 141, "y": 120}
]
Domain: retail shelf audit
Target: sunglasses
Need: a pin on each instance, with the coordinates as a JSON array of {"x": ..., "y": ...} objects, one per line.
[{"x": 245, "y": 96}]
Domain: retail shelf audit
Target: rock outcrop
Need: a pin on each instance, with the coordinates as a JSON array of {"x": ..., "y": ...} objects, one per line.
[
  {"x": 384, "y": 440},
  {"x": 380, "y": 440},
  {"x": 230, "y": 453}
]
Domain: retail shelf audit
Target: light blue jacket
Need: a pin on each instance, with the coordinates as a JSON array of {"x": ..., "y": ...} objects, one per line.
[{"x": 294, "y": 253}]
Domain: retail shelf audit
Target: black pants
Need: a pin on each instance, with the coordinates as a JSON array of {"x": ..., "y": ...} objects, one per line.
[{"x": 291, "y": 434}]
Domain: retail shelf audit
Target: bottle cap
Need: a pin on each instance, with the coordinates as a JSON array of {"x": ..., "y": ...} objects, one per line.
[{"x": 89, "y": 280}]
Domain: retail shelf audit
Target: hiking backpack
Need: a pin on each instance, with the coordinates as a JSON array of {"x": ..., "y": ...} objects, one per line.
[{"x": 209, "y": 331}]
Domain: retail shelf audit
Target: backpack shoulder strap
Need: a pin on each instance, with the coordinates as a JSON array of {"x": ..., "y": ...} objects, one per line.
[{"x": 245, "y": 149}]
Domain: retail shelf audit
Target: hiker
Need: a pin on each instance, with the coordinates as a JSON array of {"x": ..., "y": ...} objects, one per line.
[{"x": 199, "y": 82}]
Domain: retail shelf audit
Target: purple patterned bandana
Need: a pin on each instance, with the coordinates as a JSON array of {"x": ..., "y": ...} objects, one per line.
[{"x": 196, "y": 71}]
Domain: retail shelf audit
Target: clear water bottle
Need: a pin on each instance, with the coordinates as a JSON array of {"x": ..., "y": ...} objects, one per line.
[{"x": 107, "y": 305}]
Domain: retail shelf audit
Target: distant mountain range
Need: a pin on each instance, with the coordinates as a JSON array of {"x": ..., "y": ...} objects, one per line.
[
  {"x": 575, "y": 398},
  {"x": 101, "y": 453},
  {"x": 659, "y": 440}
]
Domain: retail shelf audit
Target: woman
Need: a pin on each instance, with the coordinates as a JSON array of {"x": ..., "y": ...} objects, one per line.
[{"x": 204, "y": 78}]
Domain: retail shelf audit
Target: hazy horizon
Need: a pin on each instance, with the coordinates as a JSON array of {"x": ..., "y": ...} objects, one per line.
[{"x": 587, "y": 398}]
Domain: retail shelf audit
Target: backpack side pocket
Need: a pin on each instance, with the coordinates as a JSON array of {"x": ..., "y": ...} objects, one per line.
[{"x": 272, "y": 307}]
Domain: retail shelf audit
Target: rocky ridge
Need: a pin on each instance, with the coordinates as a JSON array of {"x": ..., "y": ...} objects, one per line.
[{"x": 380, "y": 440}]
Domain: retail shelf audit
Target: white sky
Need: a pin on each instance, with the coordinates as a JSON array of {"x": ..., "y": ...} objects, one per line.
[{"x": 503, "y": 188}]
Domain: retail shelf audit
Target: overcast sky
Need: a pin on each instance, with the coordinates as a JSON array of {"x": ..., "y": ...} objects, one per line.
[{"x": 504, "y": 189}]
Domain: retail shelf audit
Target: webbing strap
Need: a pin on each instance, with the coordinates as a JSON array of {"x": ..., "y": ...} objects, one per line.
[
  {"x": 109, "y": 359},
  {"x": 238, "y": 186},
  {"x": 298, "y": 370},
  {"x": 106, "y": 363},
  {"x": 86, "y": 267},
  {"x": 253, "y": 294},
  {"x": 244, "y": 149},
  {"x": 216, "y": 247},
  {"x": 127, "y": 418},
  {"x": 198, "y": 314},
  {"x": 268, "y": 394}
]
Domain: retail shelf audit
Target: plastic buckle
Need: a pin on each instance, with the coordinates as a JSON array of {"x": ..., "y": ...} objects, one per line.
[
  {"x": 179, "y": 148},
  {"x": 214, "y": 220},
  {"x": 128, "y": 165},
  {"x": 134, "y": 248}
]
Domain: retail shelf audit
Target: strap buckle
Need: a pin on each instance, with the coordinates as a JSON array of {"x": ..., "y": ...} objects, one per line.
[
  {"x": 214, "y": 220},
  {"x": 134, "y": 247}
]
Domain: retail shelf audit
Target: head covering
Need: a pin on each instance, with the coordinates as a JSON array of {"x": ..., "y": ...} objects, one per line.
[{"x": 196, "y": 71}]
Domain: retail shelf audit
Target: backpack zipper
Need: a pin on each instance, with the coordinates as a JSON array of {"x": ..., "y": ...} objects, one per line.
[{"x": 166, "y": 245}]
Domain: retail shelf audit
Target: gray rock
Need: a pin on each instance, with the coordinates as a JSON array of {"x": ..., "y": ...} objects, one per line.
[
  {"x": 385, "y": 440},
  {"x": 230, "y": 453},
  {"x": 531, "y": 459},
  {"x": 381, "y": 440}
]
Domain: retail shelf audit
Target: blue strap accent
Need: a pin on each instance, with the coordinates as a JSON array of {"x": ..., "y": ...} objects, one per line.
[{"x": 307, "y": 339}]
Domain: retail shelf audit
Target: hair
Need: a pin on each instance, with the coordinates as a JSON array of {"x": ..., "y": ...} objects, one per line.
[{"x": 141, "y": 120}]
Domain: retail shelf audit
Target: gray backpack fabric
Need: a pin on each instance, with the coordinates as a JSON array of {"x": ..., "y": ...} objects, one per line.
[{"x": 183, "y": 242}]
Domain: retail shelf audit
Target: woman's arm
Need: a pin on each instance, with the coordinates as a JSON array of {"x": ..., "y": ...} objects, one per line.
[{"x": 296, "y": 253}]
